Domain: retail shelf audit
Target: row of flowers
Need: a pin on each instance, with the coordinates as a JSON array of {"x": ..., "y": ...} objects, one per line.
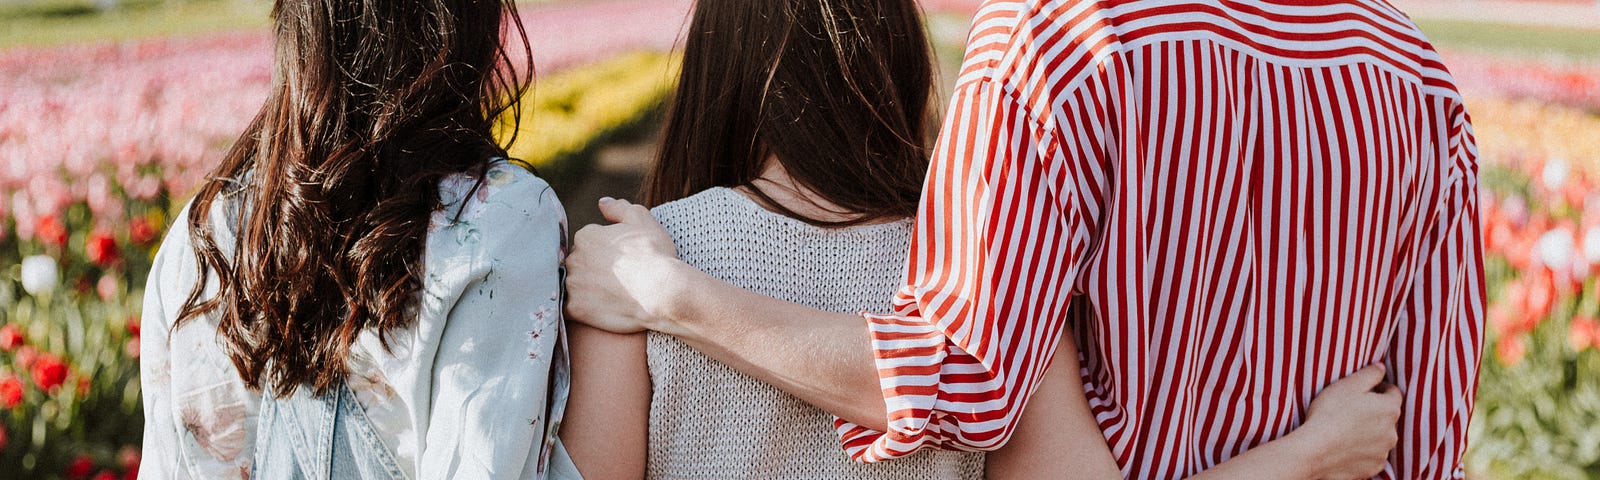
[
  {"x": 97, "y": 123},
  {"x": 1560, "y": 82}
]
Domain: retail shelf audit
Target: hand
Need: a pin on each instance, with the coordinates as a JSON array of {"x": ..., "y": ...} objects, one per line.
[
  {"x": 620, "y": 277},
  {"x": 1352, "y": 426}
]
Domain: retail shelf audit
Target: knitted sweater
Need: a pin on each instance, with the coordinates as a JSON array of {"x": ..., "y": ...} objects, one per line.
[{"x": 707, "y": 420}]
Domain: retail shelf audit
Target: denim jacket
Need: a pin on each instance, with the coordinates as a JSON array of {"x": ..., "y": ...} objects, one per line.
[{"x": 328, "y": 437}]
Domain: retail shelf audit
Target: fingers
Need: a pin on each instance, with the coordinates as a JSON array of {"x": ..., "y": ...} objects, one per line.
[
  {"x": 1391, "y": 393},
  {"x": 623, "y": 211}
]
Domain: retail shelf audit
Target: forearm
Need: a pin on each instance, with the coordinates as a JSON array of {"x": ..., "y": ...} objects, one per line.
[
  {"x": 822, "y": 358},
  {"x": 1285, "y": 458},
  {"x": 607, "y": 422}
]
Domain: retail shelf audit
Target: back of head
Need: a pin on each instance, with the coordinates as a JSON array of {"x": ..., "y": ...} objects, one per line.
[
  {"x": 373, "y": 103},
  {"x": 835, "y": 90}
]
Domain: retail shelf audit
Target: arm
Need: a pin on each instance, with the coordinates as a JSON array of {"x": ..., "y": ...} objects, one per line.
[
  {"x": 607, "y": 425},
  {"x": 1435, "y": 352},
  {"x": 979, "y": 282},
  {"x": 161, "y": 453},
  {"x": 486, "y": 369},
  {"x": 199, "y": 417},
  {"x": 1057, "y": 436},
  {"x": 1349, "y": 433}
]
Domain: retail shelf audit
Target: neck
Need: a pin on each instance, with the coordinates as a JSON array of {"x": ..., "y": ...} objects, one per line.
[{"x": 776, "y": 183}]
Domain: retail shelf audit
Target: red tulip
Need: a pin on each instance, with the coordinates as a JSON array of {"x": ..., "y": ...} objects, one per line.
[
  {"x": 4, "y": 438},
  {"x": 80, "y": 468},
  {"x": 11, "y": 337},
  {"x": 101, "y": 249},
  {"x": 1584, "y": 334},
  {"x": 105, "y": 475},
  {"x": 10, "y": 391},
  {"x": 51, "y": 231},
  {"x": 133, "y": 326},
  {"x": 49, "y": 372},
  {"x": 141, "y": 231},
  {"x": 1511, "y": 350},
  {"x": 1542, "y": 295}
]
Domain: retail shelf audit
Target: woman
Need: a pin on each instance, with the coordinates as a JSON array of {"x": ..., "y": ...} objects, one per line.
[
  {"x": 366, "y": 288},
  {"x": 791, "y": 166}
]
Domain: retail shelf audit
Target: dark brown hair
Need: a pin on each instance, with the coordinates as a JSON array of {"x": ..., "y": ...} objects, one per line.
[
  {"x": 836, "y": 90},
  {"x": 373, "y": 103}
]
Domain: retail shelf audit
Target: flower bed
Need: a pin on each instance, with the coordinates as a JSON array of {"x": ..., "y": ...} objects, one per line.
[{"x": 1539, "y": 390}]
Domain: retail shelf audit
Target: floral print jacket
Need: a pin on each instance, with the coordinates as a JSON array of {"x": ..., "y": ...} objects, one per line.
[{"x": 466, "y": 392}]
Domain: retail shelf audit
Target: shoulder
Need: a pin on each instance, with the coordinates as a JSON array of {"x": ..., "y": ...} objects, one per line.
[
  {"x": 711, "y": 206},
  {"x": 505, "y": 195},
  {"x": 504, "y": 211},
  {"x": 174, "y": 270}
]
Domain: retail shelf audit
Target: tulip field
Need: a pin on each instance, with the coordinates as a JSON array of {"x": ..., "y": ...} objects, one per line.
[
  {"x": 1538, "y": 129},
  {"x": 101, "y": 143}
]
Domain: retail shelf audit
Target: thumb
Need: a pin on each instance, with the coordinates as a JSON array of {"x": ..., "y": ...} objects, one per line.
[
  {"x": 1366, "y": 379},
  {"x": 622, "y": 211}
]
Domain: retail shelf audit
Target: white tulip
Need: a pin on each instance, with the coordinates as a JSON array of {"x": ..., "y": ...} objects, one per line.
[
  {"x": 40, "y": 276},
  {"x": 1557, "y": 249},
  {"x": 1556, "y": 172}
]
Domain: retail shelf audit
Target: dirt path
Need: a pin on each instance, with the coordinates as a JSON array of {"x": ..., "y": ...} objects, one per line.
[{"x": 619, "y": 169}]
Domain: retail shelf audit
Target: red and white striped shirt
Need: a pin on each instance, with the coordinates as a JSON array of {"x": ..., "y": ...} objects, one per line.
[{"x": 1232, "y": 203}]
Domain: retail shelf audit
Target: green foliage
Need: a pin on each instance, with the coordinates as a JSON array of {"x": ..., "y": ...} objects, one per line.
[{"x": 1538, "y": 418}]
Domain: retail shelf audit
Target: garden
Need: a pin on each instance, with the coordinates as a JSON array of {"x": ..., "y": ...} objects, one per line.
[{"x": 101, "y": 142}]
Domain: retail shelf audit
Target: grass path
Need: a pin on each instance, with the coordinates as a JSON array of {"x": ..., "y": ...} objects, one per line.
[
  {"x": 54, "y": 22},
  {"x": 1512, "y": 39}
]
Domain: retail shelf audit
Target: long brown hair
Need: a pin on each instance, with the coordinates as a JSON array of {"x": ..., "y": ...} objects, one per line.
[
  {"x": 373, "y": 103},
  {"x": 837, "y": 91}
]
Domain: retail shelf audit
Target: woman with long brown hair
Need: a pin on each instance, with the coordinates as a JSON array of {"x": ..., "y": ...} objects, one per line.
[
  {"x": 366, "y": 288},
  {"x": 791, "y": 167},
  {"x": 791, "y": 163}
]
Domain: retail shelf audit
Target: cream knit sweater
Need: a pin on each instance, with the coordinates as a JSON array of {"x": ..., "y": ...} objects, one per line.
[{"x": 708, "y": 421}]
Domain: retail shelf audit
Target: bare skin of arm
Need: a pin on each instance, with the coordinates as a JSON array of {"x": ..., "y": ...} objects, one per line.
[
  {"x": 627, "y": 278},
  {"x": 606, "y": 430},
  {"x": 1349, "y": 434}
]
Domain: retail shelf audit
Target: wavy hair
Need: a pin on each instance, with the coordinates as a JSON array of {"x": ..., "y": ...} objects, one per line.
[{"x": 331, "y": 187}]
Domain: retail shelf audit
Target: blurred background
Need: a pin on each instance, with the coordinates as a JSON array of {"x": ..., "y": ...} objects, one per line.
[{"x": 111, "y": 111}]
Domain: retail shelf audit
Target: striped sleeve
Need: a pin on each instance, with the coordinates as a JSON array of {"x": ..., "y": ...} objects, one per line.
[
  {"x": 1436, "y": 351},
  {"x": 997, "y": 246}
]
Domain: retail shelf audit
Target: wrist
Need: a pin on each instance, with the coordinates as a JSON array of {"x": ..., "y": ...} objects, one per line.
[
  {"x": 672, "y": 304},
  {"x": 1309, "y": 457}
]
